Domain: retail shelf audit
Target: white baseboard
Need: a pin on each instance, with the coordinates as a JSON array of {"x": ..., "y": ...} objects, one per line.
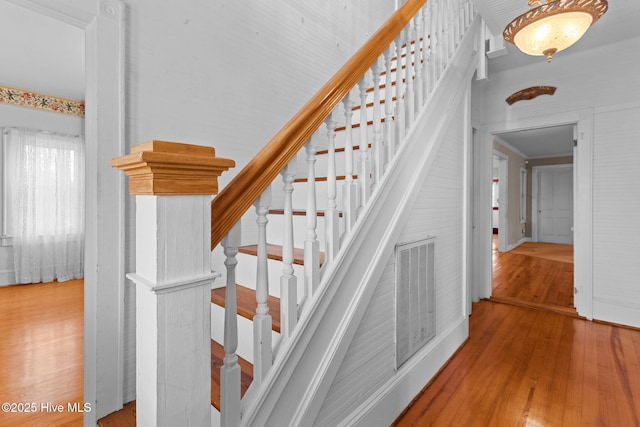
[
  {"x": 518, "y": 243},
  {"x": 7, "y": 277},
  {"x": 620, "y": 312},
  {"x": 382, "y": 408}
]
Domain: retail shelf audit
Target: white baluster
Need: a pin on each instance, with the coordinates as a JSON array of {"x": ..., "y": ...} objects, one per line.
[
  {"x": 349, "y": 186},
  {"x": 349, "y": 195},
  {"x": 439, "y": 63},
  {"x": 230, "y": 370},
  {"x": 378, "y": 151},
  {"x": 419, "y": 58},
  {"x": 427, "y": 54},
  {"x": 311, "y": 244},
  {"x": 460, "y": 21},
  {"x": 262, "y": 322},
  {"x": 388, "y": 106},
  {"x": 455, "y": 26},
  {"x": 331, "y": 224},
  {"x": 288, "y": 281},
  {"x": 400, "y": 107},
  {"x": 451, "y": 28},
  {"x": 410, "y": 100},
  {"x": 364, "y": 186}
]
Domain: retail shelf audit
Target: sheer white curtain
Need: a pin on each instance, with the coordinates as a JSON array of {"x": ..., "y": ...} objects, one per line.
[{"x": 45, "y": 184}]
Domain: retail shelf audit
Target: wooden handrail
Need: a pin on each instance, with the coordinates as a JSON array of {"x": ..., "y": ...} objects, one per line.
[{"x": 238, "y": 196}]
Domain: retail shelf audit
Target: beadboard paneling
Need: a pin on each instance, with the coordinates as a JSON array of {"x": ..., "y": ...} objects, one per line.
[
  {"x": 616, "y": 203},
  {"x": 370, "y": 360},
  {"x": 593, "y": 78}
]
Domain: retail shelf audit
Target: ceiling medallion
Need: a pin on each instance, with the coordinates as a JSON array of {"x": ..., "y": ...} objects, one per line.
[
  {"x": 530, "y": 93},
  {"x": 554, "y": 26}
]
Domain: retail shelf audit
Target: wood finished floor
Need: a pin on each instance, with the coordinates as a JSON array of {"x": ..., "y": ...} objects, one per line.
[
  {"x": 530, "y": 361},
  {"x": 41, "y": 351},
  {"x": 528, "y": 367},
  {"x": 519, "y": 367},
  {"x": 537, "y": 275}
]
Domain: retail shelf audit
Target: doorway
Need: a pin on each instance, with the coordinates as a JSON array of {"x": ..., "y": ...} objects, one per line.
[
  {"x": 532, "y": 264},
  {"x": 104, "y": 299}
]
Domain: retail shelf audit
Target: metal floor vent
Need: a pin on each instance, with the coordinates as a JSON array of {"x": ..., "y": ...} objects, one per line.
[{"x": 415, "y": 297}]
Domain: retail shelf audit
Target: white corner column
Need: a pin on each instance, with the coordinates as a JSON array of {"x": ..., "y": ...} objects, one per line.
[{"x": 173, "y": 280}]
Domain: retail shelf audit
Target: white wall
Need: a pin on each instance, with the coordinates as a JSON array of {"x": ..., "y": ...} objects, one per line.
[
  {"x": 602, "y": 84},
  {"x": 229, "y": 74},
  {"x": 15, "y": 116},
  {"x": 616, "y": 203},
  {"x": 516, "y": 230}
]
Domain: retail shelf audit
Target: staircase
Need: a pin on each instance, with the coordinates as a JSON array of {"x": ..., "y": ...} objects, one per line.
[
  {"x": 324, "y": 189},
  {"x": 296, "y": 262}
]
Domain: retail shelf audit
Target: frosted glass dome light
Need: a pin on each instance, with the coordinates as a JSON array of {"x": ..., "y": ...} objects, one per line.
[{"x": 553, "y": 26}]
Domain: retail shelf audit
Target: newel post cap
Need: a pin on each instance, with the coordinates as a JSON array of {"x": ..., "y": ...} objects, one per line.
[{"x": 172, "y": 168}]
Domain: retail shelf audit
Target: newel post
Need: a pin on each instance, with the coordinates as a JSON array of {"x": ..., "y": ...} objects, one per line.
[{"x": 173, "y": 184}]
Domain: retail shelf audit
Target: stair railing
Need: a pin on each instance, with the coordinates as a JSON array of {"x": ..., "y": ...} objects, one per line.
[{"x": 419, "y": 38}]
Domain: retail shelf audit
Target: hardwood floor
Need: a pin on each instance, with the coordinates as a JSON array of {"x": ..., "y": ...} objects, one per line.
[
  {"x": 538, "y": 275},
  {"x": 41, "y": 353},
  {"x": 530, "y": 360},
  {"x": 526, "y": 367},
  {"x": 519, "y": 367}
]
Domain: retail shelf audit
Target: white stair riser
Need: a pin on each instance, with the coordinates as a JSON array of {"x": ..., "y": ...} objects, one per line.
[
  {"x": 300, "y": 196},
  {"x": 321, "y": 163},
  {"x": 245, "y": 332},
  {"x": 246, "y": 274},
  {"x": 276, "y": 223}
]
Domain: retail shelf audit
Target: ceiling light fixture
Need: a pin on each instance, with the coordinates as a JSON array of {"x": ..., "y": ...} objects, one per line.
[{"x": 554, "y": 26}]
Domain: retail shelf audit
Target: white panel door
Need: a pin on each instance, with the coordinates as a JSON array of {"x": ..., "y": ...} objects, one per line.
[{"x": 555, "y": 205}]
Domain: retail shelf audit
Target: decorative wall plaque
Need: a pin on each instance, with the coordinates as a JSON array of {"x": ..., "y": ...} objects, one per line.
[{"x": 530, "y": 93}]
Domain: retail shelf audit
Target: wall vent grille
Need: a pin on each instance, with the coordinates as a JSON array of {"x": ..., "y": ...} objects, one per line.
[{"x": 415, "y": 297}]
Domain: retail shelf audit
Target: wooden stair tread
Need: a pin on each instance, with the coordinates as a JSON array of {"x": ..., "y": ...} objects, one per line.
[
  {"x": 299, "y": 212},
  {"x": 275, "y": 252},
  {"x": 217, "y": 357},
  {"x": 126, "y": 417},
  {"x": 339, "y": 150},
  {"x": 357, "y": 125},
  {"x": 324, "y": 178},
  {"x": 246, "y": 302}
]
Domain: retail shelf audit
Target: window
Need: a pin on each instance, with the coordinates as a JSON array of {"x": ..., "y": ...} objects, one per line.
[{"x": 43, "y": 203}]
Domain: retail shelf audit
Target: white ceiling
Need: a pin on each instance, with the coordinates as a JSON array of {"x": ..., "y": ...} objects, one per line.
[
  {"x": 540, "y": 143},
  {"x": 40, "y": 54},
  {"x": 621, "y": 21}
]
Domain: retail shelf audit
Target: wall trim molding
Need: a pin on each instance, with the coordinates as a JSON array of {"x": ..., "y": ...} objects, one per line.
[{"x": 619, "y": 312}]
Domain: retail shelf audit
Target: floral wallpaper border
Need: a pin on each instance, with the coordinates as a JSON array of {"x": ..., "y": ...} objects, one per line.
[{"x": 25, "y": 98}]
